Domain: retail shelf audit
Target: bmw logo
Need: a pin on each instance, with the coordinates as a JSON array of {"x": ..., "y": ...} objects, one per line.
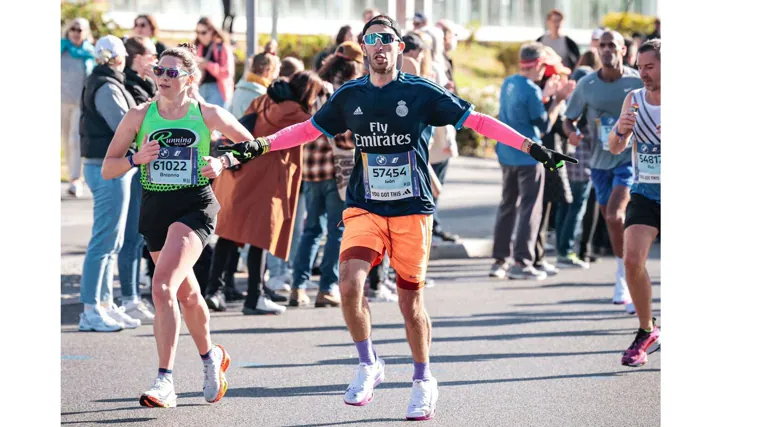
[
  {"x": 163, "y": 153},
  {"x": 381, "y": 160}
]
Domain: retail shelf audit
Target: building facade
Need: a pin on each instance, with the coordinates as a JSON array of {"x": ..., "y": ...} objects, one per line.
[{"x": 496, "y": 20}]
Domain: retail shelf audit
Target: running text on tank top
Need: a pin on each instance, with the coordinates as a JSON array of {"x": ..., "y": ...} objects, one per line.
[
  {"x": 646, "y": 148},
  {"x": 183, "y": 143}
]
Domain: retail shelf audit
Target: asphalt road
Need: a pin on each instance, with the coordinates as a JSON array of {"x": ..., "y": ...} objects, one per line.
[{"x": 505, "y": 353}]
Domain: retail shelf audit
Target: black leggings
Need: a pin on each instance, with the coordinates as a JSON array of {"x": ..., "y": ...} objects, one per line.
[{"x": 225, "y": 256}]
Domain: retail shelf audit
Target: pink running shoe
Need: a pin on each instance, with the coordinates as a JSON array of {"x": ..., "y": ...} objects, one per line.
[{"x": 644, "y": 343}]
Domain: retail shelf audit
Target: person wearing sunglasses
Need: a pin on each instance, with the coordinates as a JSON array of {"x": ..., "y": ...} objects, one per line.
[
  {"x": 105, "y": 101},
  {"x": 178, "y": 209},
  {"x": 145, "y": 26},
  {"x": 389, "y": 197},
  {"x": 216, "y": 62},
  {"x": 77, "y": 62}
]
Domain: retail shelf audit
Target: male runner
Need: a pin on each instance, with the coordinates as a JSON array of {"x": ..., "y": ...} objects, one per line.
[
  {"x": 389, "y": 196},
  {"x": 642, "y": 220},
  {"x": 600, "y": 96}
]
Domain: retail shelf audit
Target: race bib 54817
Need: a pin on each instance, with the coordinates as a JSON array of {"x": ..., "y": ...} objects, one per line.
[
  {"x": 390, "y": 176},
  {"x": 648, "y": 163},
  {"x": 174, "y": 165}
]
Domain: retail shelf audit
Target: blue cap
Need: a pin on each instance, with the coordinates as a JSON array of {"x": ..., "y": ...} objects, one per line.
[{"x": 419, "y": 17}]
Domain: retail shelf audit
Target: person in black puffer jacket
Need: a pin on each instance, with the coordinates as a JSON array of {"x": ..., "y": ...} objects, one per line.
[{"x": 141, "y": 56}]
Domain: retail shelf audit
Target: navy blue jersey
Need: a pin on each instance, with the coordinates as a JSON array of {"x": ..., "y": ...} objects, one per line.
[{"x": 391, "y": 127}]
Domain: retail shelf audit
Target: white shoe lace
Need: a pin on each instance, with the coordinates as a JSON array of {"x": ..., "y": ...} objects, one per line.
[
  {"x": 421, "y": 395},
  {"x": 160, "y": 386},
  {"x": 362, "y": 376}
]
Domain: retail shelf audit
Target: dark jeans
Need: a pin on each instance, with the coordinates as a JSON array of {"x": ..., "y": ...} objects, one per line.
[
  {"x": 522, "y": 193},
  {"x": 325, "y": 213},
  {"x": 542, "y": 230},
  {"x": 594, "y": 228},
  {"x": 569, "y": 215},
  {"x": 440, "y": 171}
]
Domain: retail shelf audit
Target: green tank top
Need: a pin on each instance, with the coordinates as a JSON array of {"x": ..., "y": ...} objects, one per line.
[{"x": 183, "y": 144}]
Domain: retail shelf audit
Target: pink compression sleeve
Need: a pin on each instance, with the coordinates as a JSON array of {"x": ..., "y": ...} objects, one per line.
[
  {"x": 494, "y": 129},
  {"x": 293, "y": 136}
]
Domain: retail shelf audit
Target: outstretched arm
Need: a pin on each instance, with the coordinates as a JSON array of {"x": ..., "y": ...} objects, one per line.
[
  {"x": 289, "y": 137},
  {"x": 495, "y": 129}
]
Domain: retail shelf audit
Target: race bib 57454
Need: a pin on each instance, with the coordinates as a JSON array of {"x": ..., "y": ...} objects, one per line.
[{"x": 390, "y": 176}]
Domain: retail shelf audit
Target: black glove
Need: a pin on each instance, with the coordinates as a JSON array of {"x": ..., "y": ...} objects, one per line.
[
  {"x": 247, "y": 150},
  {"x": 551, "y": 159}
]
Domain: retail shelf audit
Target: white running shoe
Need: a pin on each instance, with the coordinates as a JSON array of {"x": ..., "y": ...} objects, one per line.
[
  {"x": 382, "y": 294},
  {"x": 422, "y": 404},
  {"x": 630, "y": 308},
  {"x": 98, "y": 321},
  {"x": 160, "y": 395},
  {"x": 279, "y": 283},
  {"x": 391, "y": 285},
  {"x": 362, "y": 389},
  {"x": 547, "y": 268},
  {"x": 139, "y": 311},
  {"x": 214, "y": 380},
  {"x": 621, "y": 296},
  {"x": 265, "y": 305},
  {"x": 498, "y": 271},
  {"x": 121, "y": 317}
]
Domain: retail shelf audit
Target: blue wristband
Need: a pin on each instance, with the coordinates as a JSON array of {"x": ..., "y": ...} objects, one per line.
[
  {"x": 131, "y": 162},
  {"x": 620, "y": 135}
]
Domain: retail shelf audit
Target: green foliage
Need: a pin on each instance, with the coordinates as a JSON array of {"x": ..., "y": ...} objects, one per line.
[
  {"x": 486, "y": 101},
  {"x": 93, "y": 13},
  {"x": 304, "y": 48},
  {"x": 509, "y": 56},
  {"x": 628, "y": 23}
]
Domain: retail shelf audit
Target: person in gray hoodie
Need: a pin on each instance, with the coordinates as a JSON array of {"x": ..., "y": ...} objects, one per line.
[{"x": 264, "y": 68}]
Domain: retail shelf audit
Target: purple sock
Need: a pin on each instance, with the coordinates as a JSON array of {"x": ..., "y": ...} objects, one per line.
[
  {"x": 366, "y": 352},
  {"x": 422, "y": 371}
]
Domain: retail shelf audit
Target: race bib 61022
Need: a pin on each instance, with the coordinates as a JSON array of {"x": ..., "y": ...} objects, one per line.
[{"x": 174, "y": 165}]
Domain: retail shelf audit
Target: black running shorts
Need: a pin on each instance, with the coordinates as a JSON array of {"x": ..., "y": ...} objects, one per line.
[
  {"x": 196, "y": 207},
  {"x": 642, "y": 210}
]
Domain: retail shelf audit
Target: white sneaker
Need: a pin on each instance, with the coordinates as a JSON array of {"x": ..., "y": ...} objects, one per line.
[
  {"x": 518, "y": 272},
  {"x": 382, "y": 294},
  {"x": 121, "y": 317},
  {"x": 160, "y": 395},
  {"x": 498, "y": 270},
  {"x": 265, "y": 306},
  {"x": 140, "y": 311},
  {"x": 630, "y": 308},
  {"x": 391, "y": 285},
  {"x": 76, "y": 189},
  {"x": 621, "y": 295},
  {"x": 145, "y": 278},
  {"x": 547, "y": 268},
  {"x": 278, "y": 283},
  {"x": 98, "y": 321},
  {"x": 362, "y": 389},
  {"x": 422, "y": 404},
  {"x": 214, "y": 380}
]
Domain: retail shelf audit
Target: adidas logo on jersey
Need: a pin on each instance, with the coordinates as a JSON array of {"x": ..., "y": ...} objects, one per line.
[{"x": 358, "y": 111}]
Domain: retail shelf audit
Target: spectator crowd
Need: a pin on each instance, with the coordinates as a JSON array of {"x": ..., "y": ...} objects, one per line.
[{"x": 280, "y": 216}]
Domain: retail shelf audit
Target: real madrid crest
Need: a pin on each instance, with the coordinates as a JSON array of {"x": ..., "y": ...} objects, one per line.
[{"x": 401, "y": 110}]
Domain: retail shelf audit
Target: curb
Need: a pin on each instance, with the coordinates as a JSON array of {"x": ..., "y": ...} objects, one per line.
[{"x": 464, "y": 249}]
